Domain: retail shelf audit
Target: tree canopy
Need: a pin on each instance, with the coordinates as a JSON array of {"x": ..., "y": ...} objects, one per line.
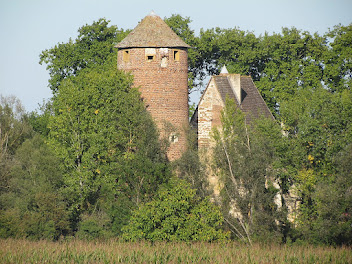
[{"x": 94, "y": 46}]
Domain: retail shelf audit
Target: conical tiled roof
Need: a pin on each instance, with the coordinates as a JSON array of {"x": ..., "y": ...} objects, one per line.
[{"x": 152, "y": 32}]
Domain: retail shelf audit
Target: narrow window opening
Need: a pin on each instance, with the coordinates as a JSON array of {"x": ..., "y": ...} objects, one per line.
[
  {"x": 173, "y": 138},
  {"x": 150, "y": 57},
  {"x": 126, "y": 56},
  {"x": 176, "y": 55}
]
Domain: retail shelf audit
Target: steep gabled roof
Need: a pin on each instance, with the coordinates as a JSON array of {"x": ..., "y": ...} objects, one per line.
[
  {"x": 253, "y": 104},
  {"x": 224, "y": 88},
  {"x": 152, "y": 32}
]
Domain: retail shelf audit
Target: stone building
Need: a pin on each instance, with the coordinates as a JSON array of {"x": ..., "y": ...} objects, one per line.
[
  {"x": 207, "y": 116},
  {"x": 157, "y": 58},
  {"x": 234, "y": 86},
  {"x": 208, "y": 112}
]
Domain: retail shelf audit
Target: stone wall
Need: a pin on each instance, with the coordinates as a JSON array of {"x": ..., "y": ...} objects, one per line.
[{"x": 209, "y": 110}]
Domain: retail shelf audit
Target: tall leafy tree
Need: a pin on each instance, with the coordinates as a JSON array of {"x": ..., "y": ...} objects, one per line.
[
  {"x": 292, "y": 61},
  {"x": 247, "y": 160},
  {"x": 94, "y": 46},
  {"x": 39, "y": 118},
  {"x": 280, "y": 64},
  {"x": 33, "y": 205},
  {"x": 319, "y": 122},
  {"x": 14, "y": 130},
  {"x": 234, "y": 47},
  {"x": 99, "y": 128},
  {"x": 318, "y": 125},
  {"x": 106, "y": 140},
  {"x": 337, "y": 61},
  {"x": 190, "y": 167}
]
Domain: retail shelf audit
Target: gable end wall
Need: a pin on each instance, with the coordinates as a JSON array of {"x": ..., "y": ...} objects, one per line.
[{"x": 209, "y": 111}]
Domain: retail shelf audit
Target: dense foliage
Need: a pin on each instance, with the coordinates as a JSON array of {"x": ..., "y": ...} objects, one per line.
[
  {"x": 107, "y": 142},
  {"x": 247, "y": 159},
  {"x": 90, "y": 161},
  {"x": 305, "y": 80},
  {"x": 95, "y": 155},
  {"x": 176, "y": 214}
]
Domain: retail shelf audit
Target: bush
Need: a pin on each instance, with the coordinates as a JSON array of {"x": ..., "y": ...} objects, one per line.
[
  {"x": 176, "y": 214},
  {"x": 94, "y": 226}
]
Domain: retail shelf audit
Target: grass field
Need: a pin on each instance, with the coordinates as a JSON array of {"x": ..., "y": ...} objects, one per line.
[{"x": 112, "y": 251}]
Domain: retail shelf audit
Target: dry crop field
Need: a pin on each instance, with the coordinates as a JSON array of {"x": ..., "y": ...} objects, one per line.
[{"x": 113, "y": 251}]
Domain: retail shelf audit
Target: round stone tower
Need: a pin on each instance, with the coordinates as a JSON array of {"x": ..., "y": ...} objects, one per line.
[{"x": 157, "y": 58}]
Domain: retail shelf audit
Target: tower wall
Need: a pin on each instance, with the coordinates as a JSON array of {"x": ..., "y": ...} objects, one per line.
[{"x": 161, "y": 74}]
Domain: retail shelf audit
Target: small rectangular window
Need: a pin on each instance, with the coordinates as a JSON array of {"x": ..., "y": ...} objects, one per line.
[
  {"x": 173, "y": 138},
  {"x": 150, "y": 58},
  {"x": 126, "y": 56},
  {"x": 176, "y": 55}
]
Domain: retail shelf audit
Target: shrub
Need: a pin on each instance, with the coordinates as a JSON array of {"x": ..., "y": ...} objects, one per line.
[{"x": 176, "y": 214}]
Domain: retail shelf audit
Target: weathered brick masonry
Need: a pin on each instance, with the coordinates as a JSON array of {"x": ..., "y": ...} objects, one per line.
[{"x": 157, "y": 58}]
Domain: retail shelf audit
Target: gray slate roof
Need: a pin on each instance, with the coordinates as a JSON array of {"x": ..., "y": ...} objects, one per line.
[
  {"x": 152, "y": 32},
  {"x": 252, "y": 103}
]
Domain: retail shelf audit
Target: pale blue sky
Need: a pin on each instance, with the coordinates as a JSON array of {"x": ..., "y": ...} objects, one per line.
[{"x": 29, "y": 26}]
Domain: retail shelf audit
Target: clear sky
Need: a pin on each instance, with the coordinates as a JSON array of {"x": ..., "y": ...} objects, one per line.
[{"x": 29, "y": 26}]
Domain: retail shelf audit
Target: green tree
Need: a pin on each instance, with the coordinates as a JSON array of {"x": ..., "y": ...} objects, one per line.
[
  {"x": 99, "y": 128},
  {"x": 93, "y": 47},
  {"x": 39, "y": 119},
  {"x": 14, "y": 130},
  {"x": 325, "y": 215},
  {"x": 291, "y": 61},
  {"x": 14, "y": 124},
  {"x": 190, "y": 168},
  {"x": 176, "y": 214},
  {"x": 33, "y": 206},
  {"x": 338, "y": 60},
  {"x": 318, "y": 126},
  {"x": 247, "y": 159},
  {"x": 106, "y": 140},
  {"x": 281, "y": 64},
  {"x": 234, "y": 47},
  {"x": 319, "y": 123}
]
